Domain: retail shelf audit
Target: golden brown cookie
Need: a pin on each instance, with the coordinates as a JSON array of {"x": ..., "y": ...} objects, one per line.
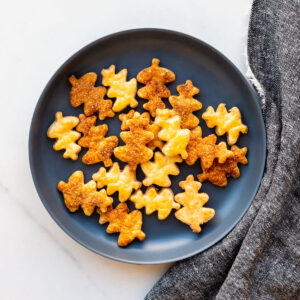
[
  {"x": 184, "y": 105},
  {"x": 225, "y": 122},
  {"x": 116, "y": 180},
  {"x": 206, "y": 149},
  {"x": 84, "y": 92},
  {"x": 129, "y": 225},
  {"x": 77, "y": 193},
  {"x": 177, "y": 139},
  {"x": 193, "y": 213},
  {"x": 135, "y": 151},
  {"x": 218, "y": 173},
  {"x": 154, "y": 128},
  {"x": 162, "y": 202},
  {"x": 61, "y": 130},
  {"x": 100, "y": 148},
  {"x": 158, "y": 172},
  {"x": 124, "y": 91},
  {"x": 155, "y": 78}
]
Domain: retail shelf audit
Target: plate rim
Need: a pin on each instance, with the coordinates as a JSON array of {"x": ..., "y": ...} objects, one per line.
[{"x": 251, "y": 89}]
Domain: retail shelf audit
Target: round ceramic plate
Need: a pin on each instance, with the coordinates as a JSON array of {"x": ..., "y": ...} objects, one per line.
[{"x": 218, "y": 80}]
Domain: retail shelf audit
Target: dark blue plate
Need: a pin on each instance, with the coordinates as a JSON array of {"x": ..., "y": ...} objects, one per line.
[{"x": 218, "y": 80}]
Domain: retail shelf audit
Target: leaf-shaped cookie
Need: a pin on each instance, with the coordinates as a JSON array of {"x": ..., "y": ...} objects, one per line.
[
  {"x": 206, "y": 149},
  {"x": 129, "y": 225},
  {"x": 77, "y": 193},
  {"x": 61, "y": 129},
  {"x": 158, "y": 172},
  {"x": 135, "y": 151},
  {"x": 116, "y": 180},
  {"x": 100, "y": 147},
  {"x": 162, "y": 202},
  {"x": 156, "y": 142},
  {"x": 177, "y": 139},
  {"x": 193, "y": 213},
  {"x": 218, "y": 173},
  {"x": 184, "y": 105},
  {"x": 155, "y": 78},
  {"x": 84, "y": 92},
  {"x": 124, "y": 91},
  {"x": 225, "y": 122}
]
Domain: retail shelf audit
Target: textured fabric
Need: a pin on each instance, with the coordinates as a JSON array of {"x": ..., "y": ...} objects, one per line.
[{"x": 260, "y": 258}]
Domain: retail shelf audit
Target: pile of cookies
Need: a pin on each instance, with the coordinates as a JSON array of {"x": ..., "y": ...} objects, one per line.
[{"x": 169, "y": 136}]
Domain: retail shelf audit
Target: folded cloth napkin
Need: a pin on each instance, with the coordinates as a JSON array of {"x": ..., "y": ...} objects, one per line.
[{"x": 260, "y": 257}]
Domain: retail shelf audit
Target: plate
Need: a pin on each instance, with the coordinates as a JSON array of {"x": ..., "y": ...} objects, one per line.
[{"x": 218, "y": 80}]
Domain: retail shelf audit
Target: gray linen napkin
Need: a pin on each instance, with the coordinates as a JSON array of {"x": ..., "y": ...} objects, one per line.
[{"x": 260, "y": 258}]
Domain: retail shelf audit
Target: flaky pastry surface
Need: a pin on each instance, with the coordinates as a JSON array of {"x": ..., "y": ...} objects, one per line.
[
  {"x": 184, "y": 105},
  {"x": 206, "y": 149},
  {"x": 177, "y": 139},
  {"x": 116, "y": 180},
  {"x": 162, "y": 201},
  {"x": 225, "y": 122},
  {"x": 136, "y": 139},
  {"x": 129, "y": 225},
  {"x": 124, "y": 91},
  {"x": 155, "y": 78},
  {"x": 78, "y": 194},
  {"x": 100, "y": 147},
  {"x": 218, "y": 173},
  {"x": 156, "y": 142},
  {"x": 84, "y": 92},
  {"x": 193, "y": 213},
  {"x": 61, "y": 130},
  {"x": 158, "y": 172}
]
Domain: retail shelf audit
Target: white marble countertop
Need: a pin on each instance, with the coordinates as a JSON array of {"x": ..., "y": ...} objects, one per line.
[{"x": 38, "y": 260}]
